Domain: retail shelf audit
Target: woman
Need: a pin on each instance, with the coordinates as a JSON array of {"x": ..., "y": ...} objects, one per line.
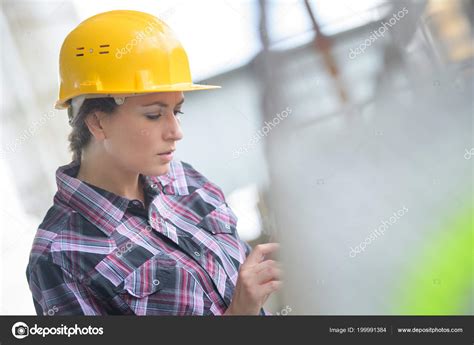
[{"x": 131, "y": 230}]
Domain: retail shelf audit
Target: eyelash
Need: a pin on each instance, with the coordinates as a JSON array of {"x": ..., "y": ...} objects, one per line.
[{"x": 156, "y": 117}]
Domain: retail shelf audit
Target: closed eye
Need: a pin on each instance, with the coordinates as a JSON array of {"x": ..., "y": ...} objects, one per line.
[{"x": 154, "y": 117}]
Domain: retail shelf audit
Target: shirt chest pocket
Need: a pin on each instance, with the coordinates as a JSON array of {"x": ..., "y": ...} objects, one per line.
[
  {"x": 221, "y": 225},
  {"x": 221, "y": 220},
  {"x": 152, "y": 289},
  {"x": 215, "y": 218},
  {"x": 160, "y": 286}
]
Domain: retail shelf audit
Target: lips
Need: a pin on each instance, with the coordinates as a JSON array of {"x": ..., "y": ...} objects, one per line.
[
  {"x": 166, "y": 157},
  {"x": 167, "y": 152}
]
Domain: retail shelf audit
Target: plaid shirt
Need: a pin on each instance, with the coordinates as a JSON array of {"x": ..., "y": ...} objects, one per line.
[{"x": 98, "y": 253}]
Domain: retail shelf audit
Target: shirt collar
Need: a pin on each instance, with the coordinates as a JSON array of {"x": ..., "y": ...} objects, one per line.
[{"x": 106, "y": 209}]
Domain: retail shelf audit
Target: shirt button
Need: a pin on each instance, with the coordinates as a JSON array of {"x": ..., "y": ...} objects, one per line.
[
  {"x": 154, "y": 186},
  {"x": 197, "y": 254},
  {"x": 227, "y": 226},
  {"x": 136, "y": 203},
  {"x": 156, "y": 282}
]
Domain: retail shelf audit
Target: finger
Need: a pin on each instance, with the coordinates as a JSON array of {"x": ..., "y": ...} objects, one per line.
[
  {"x": 258, "y": 254},
  {"x": 265, "y": 264},
  {"x": 268, "y": 274},
  {"x": 270, "y": 287}
]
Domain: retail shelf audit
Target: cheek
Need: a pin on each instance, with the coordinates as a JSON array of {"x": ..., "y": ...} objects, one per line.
[
  {"x": 143, "y": 139},
  {"x": 144, "y": 133},
  {"x": 148, "y": 135},
  {"x": 148, "y": 138},
  {"x": 135, "y": 139}
]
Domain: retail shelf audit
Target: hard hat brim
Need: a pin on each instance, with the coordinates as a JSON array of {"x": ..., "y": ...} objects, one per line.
[{"x": 184, "y": 87}]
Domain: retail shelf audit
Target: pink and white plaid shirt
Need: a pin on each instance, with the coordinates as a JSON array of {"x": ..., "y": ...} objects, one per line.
[{"x": 98, "y": 253}]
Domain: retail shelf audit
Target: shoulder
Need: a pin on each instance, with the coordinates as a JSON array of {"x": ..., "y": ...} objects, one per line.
[
  {"x": 62, "y": 232},
  {"x": 54, "y": 222},
  {"x": 197, "y": 182}
]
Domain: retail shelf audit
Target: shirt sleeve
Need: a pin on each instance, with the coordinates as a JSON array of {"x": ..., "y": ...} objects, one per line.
[{"x": 57, "y": 292}]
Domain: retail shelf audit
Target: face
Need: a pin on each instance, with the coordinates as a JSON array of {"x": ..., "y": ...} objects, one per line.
[{"x": 141, "y": 135}]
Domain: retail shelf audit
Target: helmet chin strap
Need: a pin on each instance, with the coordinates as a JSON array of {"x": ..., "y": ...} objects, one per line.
[{"x": 77, "y": 102}]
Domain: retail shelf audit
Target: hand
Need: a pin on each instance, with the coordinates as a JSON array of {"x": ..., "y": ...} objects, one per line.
[{"x": 258, "y": 279}]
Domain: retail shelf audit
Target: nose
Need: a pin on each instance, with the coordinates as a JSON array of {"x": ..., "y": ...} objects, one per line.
[{"x": 172, "y": 128}]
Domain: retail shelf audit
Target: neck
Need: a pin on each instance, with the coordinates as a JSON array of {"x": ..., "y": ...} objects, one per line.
[{"x": 102, "y": 171}]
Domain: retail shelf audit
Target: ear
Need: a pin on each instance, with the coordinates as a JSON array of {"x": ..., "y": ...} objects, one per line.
[{"x": 95, "y": 122}]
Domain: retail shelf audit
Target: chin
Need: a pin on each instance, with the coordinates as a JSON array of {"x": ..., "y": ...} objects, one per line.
[{"x": 161, "y": 169}]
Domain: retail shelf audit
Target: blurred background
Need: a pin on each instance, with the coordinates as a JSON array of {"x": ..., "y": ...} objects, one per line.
[{"x": 343, "y": 130}]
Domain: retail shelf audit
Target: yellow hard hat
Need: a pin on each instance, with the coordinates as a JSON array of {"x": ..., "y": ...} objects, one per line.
[{"x": 122, "y": 53}]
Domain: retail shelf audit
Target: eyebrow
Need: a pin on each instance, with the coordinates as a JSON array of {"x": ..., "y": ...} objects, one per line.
[{"x": 162, "y": 104}]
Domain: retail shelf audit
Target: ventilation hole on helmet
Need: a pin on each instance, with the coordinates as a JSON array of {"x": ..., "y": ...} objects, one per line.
[
  {"x": 80, "y": 48},
  {"x": 104, "y": 45},
  {"x": 103, "y": 52}
]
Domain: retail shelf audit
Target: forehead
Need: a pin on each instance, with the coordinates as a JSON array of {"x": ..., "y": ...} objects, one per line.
[{"x": 170, "y": 99}]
